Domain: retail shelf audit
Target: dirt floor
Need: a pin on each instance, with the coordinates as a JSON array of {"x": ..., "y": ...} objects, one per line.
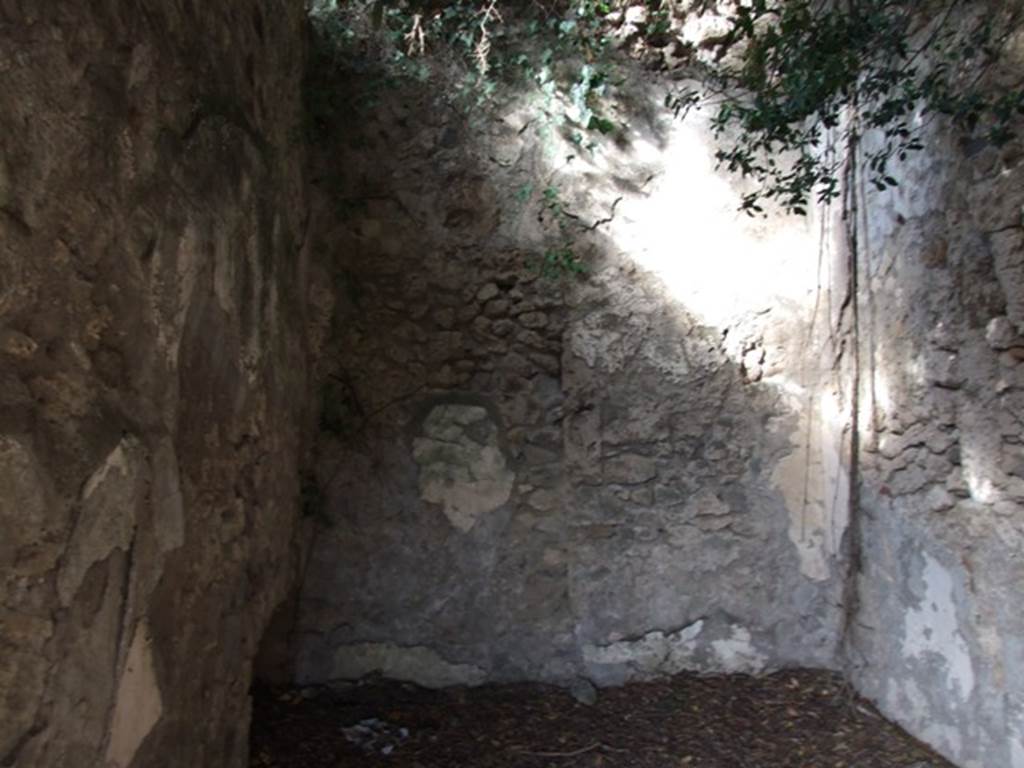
[{"x": 794, "y": 718}]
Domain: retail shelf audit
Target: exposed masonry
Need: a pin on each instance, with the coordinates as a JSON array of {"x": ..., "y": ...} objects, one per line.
[
  {"x": 937, "y": 638},
  {"x": 675, "y": 442},
  {"x": 555, "y": 478},
  {"x": 628, "y": 476}
]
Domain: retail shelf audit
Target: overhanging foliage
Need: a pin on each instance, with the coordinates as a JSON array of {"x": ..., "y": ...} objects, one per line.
[{"x": 790, "y": 84}]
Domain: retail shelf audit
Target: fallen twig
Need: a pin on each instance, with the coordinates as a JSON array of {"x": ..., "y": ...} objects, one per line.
[{"x": 575, "y": 752}]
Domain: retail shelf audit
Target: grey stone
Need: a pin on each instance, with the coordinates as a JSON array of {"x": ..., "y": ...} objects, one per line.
[
  {"x": 445, "y": 318},
  {"x": 1000, "y": 333},
  {"x": 496, "y": 308},
  {"x": 583, "y": 691},
  {"x": 502, "y": 328},
  {"x": 23, "y": 671},
  {"x": 533, "y": 320},
  {"x": 544, "y": 500},
  {"x": 29, "y": 514},
  {"x": 629, "y": 469},
  {"x": 488, "y": 292}
]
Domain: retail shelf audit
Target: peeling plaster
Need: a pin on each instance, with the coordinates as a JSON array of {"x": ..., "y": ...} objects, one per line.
[
  {"x": 931, "y": 630},
  {"x": 461, "y": 464},
  {"x": 1016, "y": 742},
  {"x": 107, "y": 520},
  {"x": 139, "y": 704},
  {"x": 659, "y": 653},
  {"x": 666, "y": 653},
  {"x": 737, "y": 652}
]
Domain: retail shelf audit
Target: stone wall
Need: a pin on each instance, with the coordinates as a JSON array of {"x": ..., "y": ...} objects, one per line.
[
  {"x": 613, "y": 476},
  {"x": 937, "y": 636},
  {"x": 152, "y": 371}
]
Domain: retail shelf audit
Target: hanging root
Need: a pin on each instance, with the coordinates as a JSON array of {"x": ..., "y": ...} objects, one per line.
[
  {"x": 415, "y": 38},
  {"x": 482, "y": 50}
]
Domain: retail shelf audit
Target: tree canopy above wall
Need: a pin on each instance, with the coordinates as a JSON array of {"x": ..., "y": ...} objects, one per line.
[{"x": 790, "y": 85}]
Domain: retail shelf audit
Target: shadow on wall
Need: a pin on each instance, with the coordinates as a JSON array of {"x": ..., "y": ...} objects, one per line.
[
  {"x": 572, "y": 423},
  {"x": 152, "y": 358}
]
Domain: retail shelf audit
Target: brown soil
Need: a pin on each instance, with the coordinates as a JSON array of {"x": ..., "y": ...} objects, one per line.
[{"x": 794, "y": 719}]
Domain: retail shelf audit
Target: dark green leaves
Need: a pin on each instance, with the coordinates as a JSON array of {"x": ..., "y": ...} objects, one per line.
[{"x": 795, "y": 79}]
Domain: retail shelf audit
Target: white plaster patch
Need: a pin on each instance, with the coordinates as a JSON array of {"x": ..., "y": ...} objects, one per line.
[
  {"x": 737, "y": 652},
  {"x": 596, "y": 345},
  {"x": 931, "y": 630},
  {"x": 461, "y": 465},
  {"x": 1017, "y": 750},
  {"x": 116, "y": 461},
  {"x": 107, "y": 521},
  {"x": 979, "y": 484},
  {"x": 1015, "y": 734},
  {"x": 414, "y": 664},
  {"x": 139, "y": 705},
  {"x": 655, "y": 652}
]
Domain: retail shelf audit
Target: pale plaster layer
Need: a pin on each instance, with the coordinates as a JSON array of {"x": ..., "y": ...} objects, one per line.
[{"x": 138, "y": 705}]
